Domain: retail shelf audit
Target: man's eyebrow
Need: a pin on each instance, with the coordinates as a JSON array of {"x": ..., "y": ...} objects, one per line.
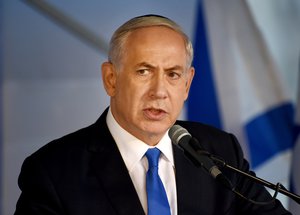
[
  {"x": 148, "y": 65},
  {"x": 176, "y": 67},
  {"x": 145, "y": 64}
]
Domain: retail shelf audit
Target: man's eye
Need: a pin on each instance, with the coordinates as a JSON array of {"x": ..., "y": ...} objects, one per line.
[
  {"x": 143, "y": 71},
  {"x": 174, "y": 75}
]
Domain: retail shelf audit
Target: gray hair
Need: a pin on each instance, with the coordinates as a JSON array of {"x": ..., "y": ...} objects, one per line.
[{"x": 116, "y": 46}]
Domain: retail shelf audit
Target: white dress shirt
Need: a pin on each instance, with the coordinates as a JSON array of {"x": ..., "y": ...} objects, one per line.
[{"x": 133, "y": 151}]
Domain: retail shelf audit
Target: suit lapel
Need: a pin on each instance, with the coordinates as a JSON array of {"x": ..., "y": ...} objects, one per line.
[{"x": 112, "y": 172}]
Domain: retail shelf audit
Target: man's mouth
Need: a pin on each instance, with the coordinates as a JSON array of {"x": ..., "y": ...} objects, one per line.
[{"x": 154, "y": 113}]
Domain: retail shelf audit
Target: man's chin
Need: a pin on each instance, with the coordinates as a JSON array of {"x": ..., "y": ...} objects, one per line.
[{"x": 157, "y": 129}]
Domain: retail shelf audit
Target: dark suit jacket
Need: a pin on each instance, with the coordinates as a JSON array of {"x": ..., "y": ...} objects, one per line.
[{"x": 83, "y": 174}]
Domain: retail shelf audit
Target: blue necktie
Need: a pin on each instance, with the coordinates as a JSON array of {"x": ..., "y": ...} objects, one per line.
[{"x": 157, "y": 198}]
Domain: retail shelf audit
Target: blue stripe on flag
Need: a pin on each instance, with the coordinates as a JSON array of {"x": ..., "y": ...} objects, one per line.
[
  {"x": 270, "y": 133},
  {"x": 202, "y": 103}
]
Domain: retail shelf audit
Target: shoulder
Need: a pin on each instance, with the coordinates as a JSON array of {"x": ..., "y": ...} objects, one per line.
[
  {"x": 196, "y": 127},
  {"x": 65, "y": 144},
  {"x": 55, "y": 157},
  {"x": 76, "y": 142},
  {"x": 206, "y": 133},
  {"x": 62, "y": 157},
  {"x": 216, "y": 141}
]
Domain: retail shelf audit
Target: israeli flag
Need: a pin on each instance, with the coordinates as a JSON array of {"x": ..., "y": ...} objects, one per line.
[{"x": 237, "y": 87}]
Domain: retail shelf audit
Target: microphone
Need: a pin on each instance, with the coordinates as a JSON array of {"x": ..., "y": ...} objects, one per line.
[
  {"x": 201, "y": 158},
  {"x": 192, "y": 149}
]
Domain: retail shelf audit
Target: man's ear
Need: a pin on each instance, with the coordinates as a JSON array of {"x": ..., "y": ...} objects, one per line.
[
  {"x": 190, "y": 76},
  {"x": 109, "y": 77}
]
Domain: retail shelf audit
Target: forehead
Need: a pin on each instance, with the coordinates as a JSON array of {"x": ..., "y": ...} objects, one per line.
[
  {"x": 156, "y": 42},
  {"x": 153, "y": 33}
]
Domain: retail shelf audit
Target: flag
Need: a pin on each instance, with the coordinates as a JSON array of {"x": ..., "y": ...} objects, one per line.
[{"x": 237, "y": 86}]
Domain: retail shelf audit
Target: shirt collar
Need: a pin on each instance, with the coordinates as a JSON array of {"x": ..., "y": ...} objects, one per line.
[{"x": 133, "y": 149}]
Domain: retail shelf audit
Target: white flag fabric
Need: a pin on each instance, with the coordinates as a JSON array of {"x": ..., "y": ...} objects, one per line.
[{"x": 237, "y": 86}]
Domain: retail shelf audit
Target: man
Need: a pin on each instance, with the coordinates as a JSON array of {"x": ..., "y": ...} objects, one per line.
[{"x": 103, "y": 169}]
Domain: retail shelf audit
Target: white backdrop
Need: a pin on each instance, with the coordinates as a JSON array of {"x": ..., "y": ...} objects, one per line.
[{"x": 51, "y": 79}]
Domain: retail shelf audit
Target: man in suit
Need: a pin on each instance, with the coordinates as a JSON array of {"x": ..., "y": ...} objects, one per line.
[{"x": 103, "y": 168}]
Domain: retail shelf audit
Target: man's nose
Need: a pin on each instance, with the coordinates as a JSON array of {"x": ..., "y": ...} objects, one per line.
[{"x": 158, "y": 87}]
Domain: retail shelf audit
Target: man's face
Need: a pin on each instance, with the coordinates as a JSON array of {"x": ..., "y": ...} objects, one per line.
[{"x": 151, "y": 84}]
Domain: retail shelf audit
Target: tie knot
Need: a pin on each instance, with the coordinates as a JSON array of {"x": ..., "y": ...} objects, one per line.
[{"x": 152, "y": 155}]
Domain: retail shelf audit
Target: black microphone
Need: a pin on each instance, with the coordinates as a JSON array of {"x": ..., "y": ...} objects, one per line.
[
  {"x": 201, "y": 158},
  {"x": 191, "y": 148}
]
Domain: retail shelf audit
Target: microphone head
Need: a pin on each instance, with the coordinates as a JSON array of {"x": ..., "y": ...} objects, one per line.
[{"x": 178, "y": 134}]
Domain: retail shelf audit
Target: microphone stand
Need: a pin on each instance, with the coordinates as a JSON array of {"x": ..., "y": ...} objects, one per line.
[{"x": 278, "y": 188}]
